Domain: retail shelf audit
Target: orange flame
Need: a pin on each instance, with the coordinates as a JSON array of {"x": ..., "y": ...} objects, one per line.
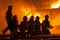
[
  {"x": 36, "y": 14},
  {"x": 56, "y": 5}
]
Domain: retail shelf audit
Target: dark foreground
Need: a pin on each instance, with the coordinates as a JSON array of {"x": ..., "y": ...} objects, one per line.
[{"x": 37, "y": 37}]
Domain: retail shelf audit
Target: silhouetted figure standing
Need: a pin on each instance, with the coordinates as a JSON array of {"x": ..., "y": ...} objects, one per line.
[
  {"x": 37, "y": 26},
  {"x": 46, "y": 25},
  {"x": 14, "y": 25},
  {"x": 8, "y": 18},
  {"x": 31, "y": 28},
  {"x": 23, "y": 26}
]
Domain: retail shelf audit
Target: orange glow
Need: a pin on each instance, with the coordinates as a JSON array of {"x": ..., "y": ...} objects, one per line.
[
  {"x": 56, "y": 5},
  {"x": 29, "y": 15},
  {"x": 20, "y": 9},
  {"x": 36, "y": 14},
  {"x": 26, "y": 30},
  {"x": 25, "y": 10}
]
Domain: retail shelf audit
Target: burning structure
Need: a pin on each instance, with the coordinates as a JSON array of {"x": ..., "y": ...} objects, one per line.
[{"x": 33, "y": 7}]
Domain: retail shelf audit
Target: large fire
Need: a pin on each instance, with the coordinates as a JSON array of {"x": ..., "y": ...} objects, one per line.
[
  {"x": 30, "y": 14},
  {"x": 36, "y": 14},
  {"x": 56, "y": 5},
  {"x": 20, "y": 9},
  {"x": 28, "y": 11}
]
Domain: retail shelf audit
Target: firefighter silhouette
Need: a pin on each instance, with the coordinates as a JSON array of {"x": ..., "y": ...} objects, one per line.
[
  {"x": 14, "y": 26},
  {"x": 9, "y": 17},
  {"x": 31, "y": 28},
  {"x": 23, "y": 26},
  {"x": 37, "y": 26},
  {"x": 46, "y": 25}
]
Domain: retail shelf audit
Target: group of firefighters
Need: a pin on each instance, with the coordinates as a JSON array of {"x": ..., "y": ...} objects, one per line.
[{"x": 29, "y": 28}]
